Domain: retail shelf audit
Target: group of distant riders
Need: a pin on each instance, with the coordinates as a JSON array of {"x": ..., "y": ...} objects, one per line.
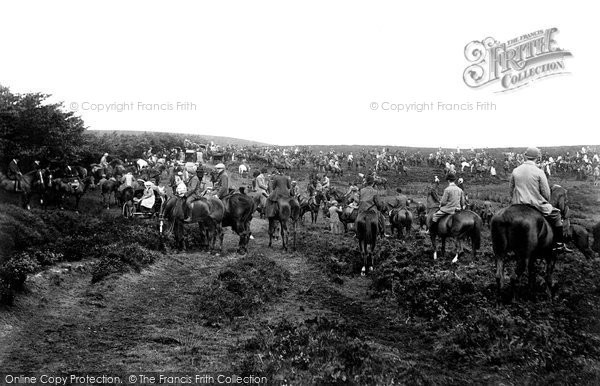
[{"x": 528, "y": 185}]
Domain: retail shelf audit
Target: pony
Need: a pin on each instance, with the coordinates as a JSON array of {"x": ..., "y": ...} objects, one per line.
[
  {"x": 282, "y": 211},
  {"x": 348, "y": 216},
  {"x": 522, "y": 229},
  {"x": 312, "y": 206},
  {"x": 27, "y": 186},
  {"x": 108, "y": 188},
  {"x": 367, "y": 229},
  {"x": 381, "y": 182},
  {"x": 71, "y": 187},
  {"x": 207, "y": 212},
  {"x": 238, "y": 215},
  {"x": 401, "y": 219},
  {"x": 462, "y": 224}
]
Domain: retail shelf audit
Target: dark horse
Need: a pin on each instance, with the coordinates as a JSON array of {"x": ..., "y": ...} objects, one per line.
[
  {"x": 367, "y": 229},
  {"x": 459, "y": 225},
  {"x": 401, "y": 219},
  {"x": 74, "y": 187},
  {"x": 523, "y": 230},
  {"x": 207, "y": 212},
  {"x": 312, "y": 206},
  {"x": 238, "y": 215},
  {"x": 283, "y": 210},
  {"x": 29, "y": 186}
]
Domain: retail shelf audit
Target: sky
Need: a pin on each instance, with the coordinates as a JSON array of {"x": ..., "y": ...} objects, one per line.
[{"x": 309, "y": 72}]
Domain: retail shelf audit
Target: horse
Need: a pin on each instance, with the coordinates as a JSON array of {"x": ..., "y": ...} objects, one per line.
[
  {"x": 367, "y": 229},
  {"x": 207, "y": 212},
  {"x": 401, "y": 219},
  {"x": 464, "y": 223},
  {"x": 27, "y": 186},
  {"x": 242, "y": 170},
  {"x": 559, "y": 200},
  {"x": 109, "y": 187},
  {"x": 71, "y": 187},
  {"x": 312, "y": 206},
  {"x": 260, "y": 200},
  {"x": 282, "y": 211},
  {"x": 422, "y": 215},
  {"x": 238, "y": 215},
  {"x": 486, "y": 212},
  {"x": 523, "y": 230},
  {"x": 348, "y": 216}
]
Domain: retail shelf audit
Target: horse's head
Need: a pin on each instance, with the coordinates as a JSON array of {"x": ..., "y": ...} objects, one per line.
[{"x": 433, "y": 200}]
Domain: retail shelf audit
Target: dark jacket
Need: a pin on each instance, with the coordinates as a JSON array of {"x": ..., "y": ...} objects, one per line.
[
  {"x": 194, "y": 187},
  {"x": 368, "y": 198},
  {"x": 222, "y": 185},
  {"x": 281, "y": 188},
  {"x": 13, "y": 170}
]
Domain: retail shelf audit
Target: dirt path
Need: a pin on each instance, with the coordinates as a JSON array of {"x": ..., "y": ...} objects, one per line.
[{"x": 145, "y": 321}]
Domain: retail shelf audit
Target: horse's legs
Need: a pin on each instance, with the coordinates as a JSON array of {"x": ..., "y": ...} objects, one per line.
[
  {"x": 362, "y": 247},
  {"x": 434, "y": 245},
  {"x": 550, "y": 262},
  {"x": 271, "y": 230},
  {"x": 443, "y": 246},
  {"x": 284, "y": 233},
  {"x": 499, "y": 272},
  {"x": 458, "y": 248}
]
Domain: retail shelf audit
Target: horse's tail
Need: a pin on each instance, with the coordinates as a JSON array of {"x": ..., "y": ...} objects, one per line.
[
  {"x": 499, "y": 232},
  {"x": 476, "y": 232}
]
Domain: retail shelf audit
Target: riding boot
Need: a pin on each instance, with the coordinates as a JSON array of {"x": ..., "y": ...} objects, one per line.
[
  {"x": 559, "y": 240},
  {"x": 188, "y": 219},
  {"x": 433, "y": 228}
]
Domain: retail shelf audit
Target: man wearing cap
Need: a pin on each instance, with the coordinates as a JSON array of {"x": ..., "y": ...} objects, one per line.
[
  {"x": 194, "y": 192},
  {"x": 452, "y": 200},
  {"x": 529, "y": 186},
  {"x": 221, "y": 185},
  {"x": 368, "y": 198}
]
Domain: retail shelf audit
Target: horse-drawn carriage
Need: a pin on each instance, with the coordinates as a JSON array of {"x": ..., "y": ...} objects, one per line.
[{"x": 138, "y": 206}]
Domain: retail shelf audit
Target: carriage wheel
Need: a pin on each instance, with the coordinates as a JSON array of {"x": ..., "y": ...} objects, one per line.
[{"x": 128, "y": 210}]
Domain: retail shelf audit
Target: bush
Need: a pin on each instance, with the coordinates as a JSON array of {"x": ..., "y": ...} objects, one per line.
[
  {"x": 122, "y": 258},
  {"x": 242, "y": 287},
  {"x": 315, "y": 351},
  {"x": 13, "y": 274}
]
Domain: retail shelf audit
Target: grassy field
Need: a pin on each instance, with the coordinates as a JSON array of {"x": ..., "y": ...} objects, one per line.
[{"x": 307, "y": 316}]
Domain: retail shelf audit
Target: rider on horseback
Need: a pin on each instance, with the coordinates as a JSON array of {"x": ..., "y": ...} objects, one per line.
[
  {"x": 368, "y": 200},
  {"x": 194, "y": 192},
  {"x": 221, "y": 185},
  {"x": 14, "y": 173},
  {"x": 452, "y": 200},
  {"x": 529, "y": 185},
  {"x": 281, "y": 190}
]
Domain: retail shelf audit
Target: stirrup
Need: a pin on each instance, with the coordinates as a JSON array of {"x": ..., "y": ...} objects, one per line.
[
  {"x": 187, "y": 219},
  {"x": 561, "y": 247}
]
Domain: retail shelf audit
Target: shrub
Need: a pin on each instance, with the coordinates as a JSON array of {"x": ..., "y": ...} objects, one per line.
[
  {"x": 122, "y": 258},
  {"x": 242, "y": 287},
  {"x": 13, "y": 274}
]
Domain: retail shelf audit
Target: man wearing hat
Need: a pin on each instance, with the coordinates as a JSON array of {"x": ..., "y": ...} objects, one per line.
[
  {"x": 104, "y": 160},
  {"x": 221, "y": 185},
  {"x": 194, "y": 192},
  {"x": 295, "y": 190},
  {"x": 529, "y": 186},
  {"x": 368, "y": 198},
  {"x": 261, "y": 183},
  {"x": 281, "y": 190},
  {"x": 452, "y": 200},
  {"x": 14, "y": 173}
]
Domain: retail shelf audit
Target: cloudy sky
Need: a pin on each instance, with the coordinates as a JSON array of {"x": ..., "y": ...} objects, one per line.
[{"x": 310, "y": 72}]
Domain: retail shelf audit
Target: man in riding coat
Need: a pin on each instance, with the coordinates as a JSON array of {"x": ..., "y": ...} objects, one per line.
[
  {"x": 452, "y": 200},
  {"x": 281, "y": 190},
  {"x": 529, "y": 186},
  {"x": 221, "y": 185},
  {"x": 262, "y": 185},
  {"x": 194, "y": 192},
  {"x": 367, "y": 200},
  {"x": 14, "y": 173}
]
